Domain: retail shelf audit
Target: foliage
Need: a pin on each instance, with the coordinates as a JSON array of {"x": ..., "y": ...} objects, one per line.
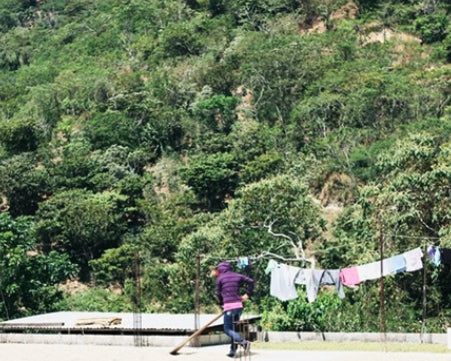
[
  {"x": 447, "y": 48},
  {"x": 29, "y": 278},
  {"x": 166, "y": 287},
  {"x": 81, "y": 224},
  {"x": 212, "y": 178},
  {"x": 95, "y": 300},
  {"x": 23, "y": 183},
  {"x": 114, "y": 266},
  {"x": 299, "y": 315},
  {"x": 261, "y": 167},
  {"x": 433, "y": 27},
  {"x": 175, "y": 130},
  {"x": 18, "y": 135},
  {"x": 218, "y": 112}
]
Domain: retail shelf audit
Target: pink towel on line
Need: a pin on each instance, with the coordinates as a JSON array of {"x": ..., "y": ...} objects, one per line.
[{"x": 349, "y": 276}]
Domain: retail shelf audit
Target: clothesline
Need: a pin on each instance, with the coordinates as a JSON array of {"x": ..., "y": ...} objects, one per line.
[
  {"x": 415, "y": 237},
  {"x": 271, "y": 255},
  {"x": 425, "y": 238},
  {"x": 284, "y": 277},
  {"x": 267, "y": 254}
]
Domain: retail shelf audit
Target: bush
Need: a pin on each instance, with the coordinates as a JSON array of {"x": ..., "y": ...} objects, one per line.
[
  {"x": 95, "y": 299},
  {"x": 432, "y": 27}
]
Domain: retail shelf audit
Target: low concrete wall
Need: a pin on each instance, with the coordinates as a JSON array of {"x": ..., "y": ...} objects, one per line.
[
  {"x": 80, "y": 339},
  {"x": 220, "y": 338},
  {"x": 436, "y": 338},
  {"x": 116, "y": 340}
]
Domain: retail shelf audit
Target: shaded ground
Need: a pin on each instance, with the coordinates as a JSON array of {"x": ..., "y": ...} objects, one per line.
[{"x": 40, "y": 352}]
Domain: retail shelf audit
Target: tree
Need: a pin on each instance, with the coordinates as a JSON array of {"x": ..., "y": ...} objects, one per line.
[
  {"x": 16, "y": 49},
  {"x": 433, "y": 27},
  {"x": 112, "y": 128},
  {"x": 180, "y": 39},
  {"x": 72, "y": 166},
  {"x": 28, "y": 277},
  {"x": 273, "y": 215},
  {"x": 416, "y": 175},
  {"x": 406, "y": 206},
  {"x": 212, "y": 177},
  {"x": 82, "y": 224},
  {"x": 24, "y": 183},
  {"x": 115, "y": 266},
  {"x": 218, "y": 112},
  {"x": 18, "y": 135}
]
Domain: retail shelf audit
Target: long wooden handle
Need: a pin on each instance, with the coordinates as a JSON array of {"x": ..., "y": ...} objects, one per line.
[{"x": 198, "y": 332}]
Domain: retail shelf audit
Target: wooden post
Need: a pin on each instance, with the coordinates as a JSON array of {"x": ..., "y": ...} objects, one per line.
[
  {"x": 383, "y": 328},
  {"x": 423, "y": 318},
  {"x": 196, "y": 295}
]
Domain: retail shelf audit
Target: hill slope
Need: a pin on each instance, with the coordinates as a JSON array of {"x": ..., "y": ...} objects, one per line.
[{"x": 138, "y": 135}]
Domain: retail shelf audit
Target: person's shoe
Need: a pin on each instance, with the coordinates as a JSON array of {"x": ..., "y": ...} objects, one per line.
[{"x": 231, "y": 354}]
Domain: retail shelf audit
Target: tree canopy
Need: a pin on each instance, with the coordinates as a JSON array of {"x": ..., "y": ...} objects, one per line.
[{"x": 137, "y": 137}]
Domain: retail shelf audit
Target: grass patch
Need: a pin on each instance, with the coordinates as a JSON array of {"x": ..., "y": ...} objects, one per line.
[{"x": 353, "y": 346}]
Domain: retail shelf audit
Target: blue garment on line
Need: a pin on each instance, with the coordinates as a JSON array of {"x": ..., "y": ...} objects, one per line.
[
  {"x": 394, "y": 265},
  {"x": 434, "y": 255}
]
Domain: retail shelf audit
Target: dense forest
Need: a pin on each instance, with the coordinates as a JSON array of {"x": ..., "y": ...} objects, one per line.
[{"x": 143, "y": 141}]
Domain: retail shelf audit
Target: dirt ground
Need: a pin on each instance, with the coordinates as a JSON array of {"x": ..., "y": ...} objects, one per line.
[{"x": 46, "y": 352}]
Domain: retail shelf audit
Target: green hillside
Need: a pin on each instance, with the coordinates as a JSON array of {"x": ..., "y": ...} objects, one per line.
[{"x": 139, "y": 137}]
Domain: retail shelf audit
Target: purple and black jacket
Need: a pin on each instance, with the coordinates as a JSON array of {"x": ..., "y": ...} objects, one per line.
[{"x": 229, "y": 283}]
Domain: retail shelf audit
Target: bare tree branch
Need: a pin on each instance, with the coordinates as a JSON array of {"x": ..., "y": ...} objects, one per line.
[{"x": 296, "y": 247}]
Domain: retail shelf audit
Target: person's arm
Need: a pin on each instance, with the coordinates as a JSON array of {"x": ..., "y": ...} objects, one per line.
[
  {"x": 219, "y": 291},
  {"x": 250, "y": 287}
]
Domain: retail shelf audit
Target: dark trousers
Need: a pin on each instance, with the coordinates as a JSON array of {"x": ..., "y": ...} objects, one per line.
[{"x": 230, "y": 319}]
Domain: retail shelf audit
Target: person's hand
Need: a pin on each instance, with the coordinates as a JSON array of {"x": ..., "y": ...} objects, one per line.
[{"x": 244, "y": 298}]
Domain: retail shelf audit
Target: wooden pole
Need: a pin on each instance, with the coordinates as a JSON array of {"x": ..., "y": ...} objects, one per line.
[
  {"x": 195, "y": 334},
  {"x": 423, "y": 318},
  {"x": 196, "y": 295},
  {"x": 382, "y": 291}
]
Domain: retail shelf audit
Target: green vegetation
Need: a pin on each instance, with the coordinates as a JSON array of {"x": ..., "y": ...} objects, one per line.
[{"x": 137, "y": 135}]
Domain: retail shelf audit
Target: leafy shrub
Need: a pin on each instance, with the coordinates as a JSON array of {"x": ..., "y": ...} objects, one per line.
[
  {"x": 218, "y": 112},
  {"x": 300, "y": 315},
  {"x": 180, "y": 39},
  {"x": 95, "y": 299},
  {"x": 212, "y": 178},
  {"x": 432, "y": 27},
  {"x": 447, "y": 48},
  {"x": 18, "y": 135}
]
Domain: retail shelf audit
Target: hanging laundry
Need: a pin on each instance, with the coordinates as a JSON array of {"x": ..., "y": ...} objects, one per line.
[
  {"x": 349, "y": 276},
  {"x": 282, "y": 283},
  {"x": 270, "y": 267},
  {"x": 315, "y": 278},
  {"x": 245, "y": 264},
  {"x": 445, "y": 255},
  {"x": 394, "y": 265},
  {"x": 303, "y": 276},
  {"x": 284, "y": 278},
  {"x": 434, "y": 254},
  {"x": 369, "y": 271},
  {"x": 390, "y": 266},
  {"x": 413, "y": 259}
]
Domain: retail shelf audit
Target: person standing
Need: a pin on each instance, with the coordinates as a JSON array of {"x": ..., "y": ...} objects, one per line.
[{"x": 228, "y": 291}]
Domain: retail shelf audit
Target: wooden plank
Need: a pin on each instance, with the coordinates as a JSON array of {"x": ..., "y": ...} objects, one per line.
[{"x": 197, "y": 333}]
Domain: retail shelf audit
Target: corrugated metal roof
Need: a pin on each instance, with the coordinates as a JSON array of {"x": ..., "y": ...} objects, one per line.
[{"x": 177, "y": 323}]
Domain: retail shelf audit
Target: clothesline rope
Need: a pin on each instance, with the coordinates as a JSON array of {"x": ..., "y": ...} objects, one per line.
[
  {"x": 271, "y": 255},
  {"x": 415, "y": 237}
]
